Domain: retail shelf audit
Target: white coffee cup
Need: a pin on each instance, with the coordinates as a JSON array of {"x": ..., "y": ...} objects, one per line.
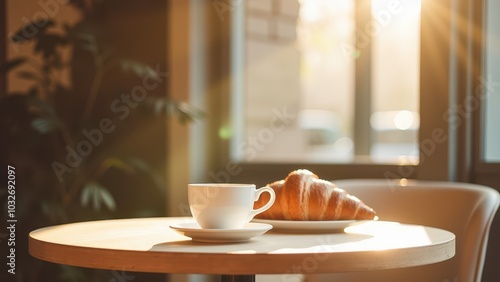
[{"x": 225, "y": 205}]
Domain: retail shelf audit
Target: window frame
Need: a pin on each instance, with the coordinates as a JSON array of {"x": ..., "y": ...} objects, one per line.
[
  {"x": 446, "y": 153},
  {"x": 263, "y": 172},
  {"x": 482, "y": 172}
]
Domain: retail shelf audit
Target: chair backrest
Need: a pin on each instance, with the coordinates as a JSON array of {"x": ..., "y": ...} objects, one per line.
[{"x": 467, "y": 210}]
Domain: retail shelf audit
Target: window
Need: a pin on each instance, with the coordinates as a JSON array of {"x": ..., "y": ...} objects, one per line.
[
  {"x": 252, "y": 67},
  {"x": 491, "y": 151},
  {"x": 442, "y": 154},
  {"x": 323, "y": 82}
]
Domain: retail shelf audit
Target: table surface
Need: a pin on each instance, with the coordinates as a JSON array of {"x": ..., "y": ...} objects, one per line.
[{"x": 149, "y": 245}]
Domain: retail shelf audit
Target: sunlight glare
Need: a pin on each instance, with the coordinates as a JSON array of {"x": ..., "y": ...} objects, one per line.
[
  {"x": 403, "y": 120},
  {"x": 386, "y": 235}
]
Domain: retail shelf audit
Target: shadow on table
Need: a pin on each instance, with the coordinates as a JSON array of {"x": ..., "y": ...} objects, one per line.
[{"x": 274, "y": 243}]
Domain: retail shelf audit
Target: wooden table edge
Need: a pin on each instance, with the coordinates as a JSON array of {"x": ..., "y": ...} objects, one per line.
[{"x": 178, "y": 263}]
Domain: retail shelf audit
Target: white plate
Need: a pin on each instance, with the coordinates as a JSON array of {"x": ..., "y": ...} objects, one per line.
[
  {"x": 309, "y": 226},
  {"x": 195, "y": 232}
]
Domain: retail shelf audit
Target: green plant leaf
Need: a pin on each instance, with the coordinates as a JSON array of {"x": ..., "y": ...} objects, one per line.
[
  {"x": 159, "y": 106},
  {"x": 184, "y": 112},
  {"x": 45, "y": 124},
  {"x": 96, "y": 198},
  {"x": 42, "y": 105},
  {"x": 27, "y": 75},
  {"x": 48, "y": 43},
  {"x": 137, "y": 164},
  {"x": 31, "y": 31},
  {"x": 86, "y": 194},
  {"x": 88, "y": 42},
  {"x": 107, "y": 199},
  {"x": 12, "y": 64},
  {"x": 116, "y": 163},
  {"x": 138, "y": 68},
  {"x": 71, "y": 273},
  {"x": 98, "y": 195}
]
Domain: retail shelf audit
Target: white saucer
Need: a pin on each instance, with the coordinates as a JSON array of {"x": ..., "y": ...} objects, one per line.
[
  {"x": 195, "y": 232},
  {"x": 293, "y": 226}
]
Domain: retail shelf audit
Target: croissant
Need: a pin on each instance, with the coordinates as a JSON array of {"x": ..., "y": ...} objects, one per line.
[{"x": 303, "y": 196}]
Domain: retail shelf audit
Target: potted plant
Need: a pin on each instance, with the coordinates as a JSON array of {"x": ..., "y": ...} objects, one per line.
[{"x": 64, "y": 135}]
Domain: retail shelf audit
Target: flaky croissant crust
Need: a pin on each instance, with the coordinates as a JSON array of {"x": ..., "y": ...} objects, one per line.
[{"x": 303, "y": 196}]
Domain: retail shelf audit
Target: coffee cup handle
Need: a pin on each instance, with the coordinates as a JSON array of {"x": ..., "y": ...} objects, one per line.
[{"x": 266, "y": 206}]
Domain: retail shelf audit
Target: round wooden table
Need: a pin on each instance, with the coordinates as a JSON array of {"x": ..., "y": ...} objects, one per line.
[{"x": 150, "y": 245}]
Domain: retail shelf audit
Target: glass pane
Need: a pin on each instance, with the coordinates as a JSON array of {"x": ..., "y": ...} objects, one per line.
[
  {"x": 395, "y": 80},
  {"x": 299, "y": 75},
  {"x": 491, "y": 152}
]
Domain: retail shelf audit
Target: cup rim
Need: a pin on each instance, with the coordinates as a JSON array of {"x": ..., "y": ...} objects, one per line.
[{"x": 221, "y": 185}]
